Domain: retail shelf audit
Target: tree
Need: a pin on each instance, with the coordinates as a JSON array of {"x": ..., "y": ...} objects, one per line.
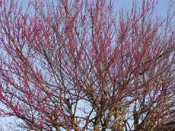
[{"x": 75, "y": 65}]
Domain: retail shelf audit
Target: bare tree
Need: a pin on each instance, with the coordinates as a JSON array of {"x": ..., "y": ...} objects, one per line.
[{"x": 75, "y": 65}]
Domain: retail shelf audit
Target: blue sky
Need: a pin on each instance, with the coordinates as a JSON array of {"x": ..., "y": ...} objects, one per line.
[{"x": 161, "y": 8}]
